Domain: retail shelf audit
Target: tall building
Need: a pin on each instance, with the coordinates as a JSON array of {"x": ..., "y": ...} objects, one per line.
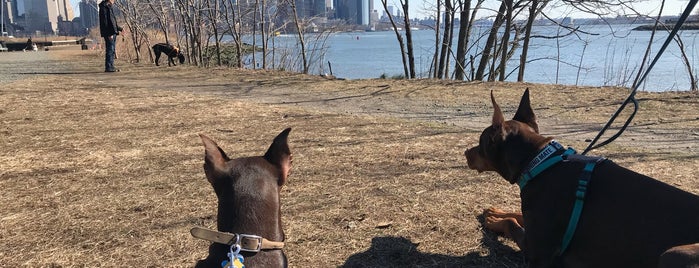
[
  {"x": 315, "y": 10},
  {"x": 44, "y": 15},
  {"x": 65, "y": 10},
  {"x": 310, "y": 8},
  {"x": 89, "y": 15},
  {"x": 353, "y": 11},
  {"x": 6, "y": 16}
]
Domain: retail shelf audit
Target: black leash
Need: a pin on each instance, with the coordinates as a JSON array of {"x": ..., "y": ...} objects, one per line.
[{"x": 631, "y": 98}]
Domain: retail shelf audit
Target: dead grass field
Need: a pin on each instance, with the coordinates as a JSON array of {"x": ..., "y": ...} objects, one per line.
[{"x": 105, "y": 170}]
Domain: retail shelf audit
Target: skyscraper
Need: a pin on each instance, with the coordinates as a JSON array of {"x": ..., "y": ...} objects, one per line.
[
  {"x": 353, "y": 11},
  {"x": 310, "y": 8},
  {"x": 89, "y": 15},
  {"x": 43, "y": 15}
]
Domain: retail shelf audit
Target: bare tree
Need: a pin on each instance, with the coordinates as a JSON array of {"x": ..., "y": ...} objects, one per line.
[
  {"x": 232, "y": 20},
  {"x": 401, "y": 44},
  {"x": 161, "y": 12},
  {"x": 535, "y": 8},
  {"x": 299, "y": 30},
  {"x": 408, "y": 37},
  {"x": 447, "y": 39},
  {"x": 190, "y": 12},
  {"x": 437, "y": 28},
  {"x": 687, "y": 63},
  {"x": 135, "y": 21},
  {"x": 213, "y": 15},
  {"x": 490, "y": 42},
  {"x": 466, "y": 24}
]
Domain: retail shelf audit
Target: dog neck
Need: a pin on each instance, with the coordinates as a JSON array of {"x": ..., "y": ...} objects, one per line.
[
  {"x": 551, "y": 148},
  {"x": 241, "y": 221},
  {"x": 551, "y": 154}
]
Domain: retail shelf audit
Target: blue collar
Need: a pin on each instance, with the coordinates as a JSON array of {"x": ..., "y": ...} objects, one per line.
[{"x": 544, "y": 160}]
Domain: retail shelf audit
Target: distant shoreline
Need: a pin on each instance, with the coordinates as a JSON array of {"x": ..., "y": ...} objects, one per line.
[{"x": 651, "y": 27}]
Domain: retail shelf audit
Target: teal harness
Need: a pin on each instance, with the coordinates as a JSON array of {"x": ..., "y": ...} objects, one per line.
[{"x": 546, "y": 159}]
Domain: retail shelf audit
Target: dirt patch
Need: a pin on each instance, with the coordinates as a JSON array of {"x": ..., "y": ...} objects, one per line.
[{"x": 104, "y": 169}]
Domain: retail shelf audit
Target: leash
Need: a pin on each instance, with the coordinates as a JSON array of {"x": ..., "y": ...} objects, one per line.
[
  {"x": 546, "y": 159},
  {"x": 237, "y": 243},
  {"x": 631, "y": 98}
]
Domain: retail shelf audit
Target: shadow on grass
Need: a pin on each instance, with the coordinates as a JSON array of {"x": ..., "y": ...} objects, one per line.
[
  {"x": 60, "y": 73},
  {"x": 389, "y": 251}
]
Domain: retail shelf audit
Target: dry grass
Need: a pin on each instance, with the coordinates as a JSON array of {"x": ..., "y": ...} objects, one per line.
[{"x": 105, "y": 169}]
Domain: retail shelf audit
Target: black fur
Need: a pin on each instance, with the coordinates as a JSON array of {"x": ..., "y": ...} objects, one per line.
[{"x": 169, "y": 50}]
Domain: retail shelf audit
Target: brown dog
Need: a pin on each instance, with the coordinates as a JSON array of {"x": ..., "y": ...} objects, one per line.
[
  {"x": 248, "y": 200},
  {"x": 583, "y": 211}
]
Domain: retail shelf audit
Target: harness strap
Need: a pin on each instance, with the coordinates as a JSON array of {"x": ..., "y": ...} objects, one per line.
[
  {"x": 537, "y": 166},
  {"x": 583, "y": 182},
  {"x": 529, "y": 175},
  {"x": 577, "y": 208},
  {"x": 249, "y": 243}
]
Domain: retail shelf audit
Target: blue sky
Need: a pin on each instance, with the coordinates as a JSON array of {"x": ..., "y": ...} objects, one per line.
[{"x": 418, "y": 7}]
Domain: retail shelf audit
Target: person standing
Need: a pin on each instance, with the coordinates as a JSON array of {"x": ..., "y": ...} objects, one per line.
[{"x": 109, "y": 29}]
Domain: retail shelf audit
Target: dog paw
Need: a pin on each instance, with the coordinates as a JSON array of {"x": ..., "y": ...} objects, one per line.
[
  {"x": 495, "y": 212},
  {"x": 500, "y": 225}
]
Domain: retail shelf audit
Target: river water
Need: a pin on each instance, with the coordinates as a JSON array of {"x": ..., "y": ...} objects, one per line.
[{"x": 610, "y": 57}]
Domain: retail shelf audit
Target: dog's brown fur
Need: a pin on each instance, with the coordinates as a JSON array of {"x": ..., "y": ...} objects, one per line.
[
  {"x": 628, "y": 219},
  {"x": 248, "y": 198}
]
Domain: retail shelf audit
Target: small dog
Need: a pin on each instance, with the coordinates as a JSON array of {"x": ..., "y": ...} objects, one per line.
[
  {"x": 580, "y": 211},
  {"x": 169, "y": 50},
  {"x": 248, "y": 201}
]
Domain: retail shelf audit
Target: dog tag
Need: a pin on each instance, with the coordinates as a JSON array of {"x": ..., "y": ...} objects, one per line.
[{"x": 238, "y": 262}]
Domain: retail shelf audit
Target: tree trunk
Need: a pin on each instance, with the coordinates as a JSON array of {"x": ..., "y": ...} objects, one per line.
[
  {"x": 446, "y": 41},
  {"x": 490, "y": 43},
  {"x": 265, "y": 31},
  {"x": 299, "y": 29},
  {"x": 409, "y": 39},
  {"x": 213, "y": 18},
  {"x": 437, "y": 29},
  {"x": 505, "y": 39},
  {"x": 400, "y": 39},
  {"x": 462, "y": 42},
  {"x": 464, "y": 36}
]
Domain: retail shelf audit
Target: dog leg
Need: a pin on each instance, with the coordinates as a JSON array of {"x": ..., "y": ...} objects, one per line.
[
  {"x": 685, "y": 256},
  {"x": 157, "y": 58},
  {"x": 499, "y": 213},
  {"x": 507, "y": 224}
]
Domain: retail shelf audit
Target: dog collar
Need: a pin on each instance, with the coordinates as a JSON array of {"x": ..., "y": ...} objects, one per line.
[
  {"x": 248, "y": 243},
  {"x": 542, "y": 161}
]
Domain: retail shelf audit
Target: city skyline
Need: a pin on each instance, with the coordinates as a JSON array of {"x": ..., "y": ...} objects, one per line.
[
  {"x": 421, "y": 8},
  {"x": 418, "y": 9}
]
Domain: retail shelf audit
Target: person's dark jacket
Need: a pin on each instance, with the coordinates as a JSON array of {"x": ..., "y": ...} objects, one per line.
[{"x": 108, "y": 22}]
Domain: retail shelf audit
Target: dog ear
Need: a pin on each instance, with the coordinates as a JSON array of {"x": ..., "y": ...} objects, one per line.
[
  {"x": 279, "y": 155},
  {"x": 215, "y": 159},
  {"x": 498, "y": 117},
  {"x": 525, "y": 113}
]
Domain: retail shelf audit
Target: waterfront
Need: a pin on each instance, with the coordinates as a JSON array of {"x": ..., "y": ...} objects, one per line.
[
  {"x": 609, "y": 58},
  {"x": 107, "y": 167}
]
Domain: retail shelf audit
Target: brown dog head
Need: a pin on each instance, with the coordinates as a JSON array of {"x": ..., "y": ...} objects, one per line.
[
  {"x": 506, "y": 147},
  {"x": 248, "y": 197}
]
